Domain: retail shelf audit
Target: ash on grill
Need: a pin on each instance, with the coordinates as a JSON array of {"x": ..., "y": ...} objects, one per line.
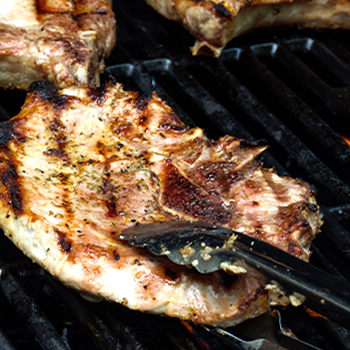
[{"x": 290, "y": 87}]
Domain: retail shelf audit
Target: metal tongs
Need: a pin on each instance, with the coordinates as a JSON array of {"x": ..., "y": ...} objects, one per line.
[
  {"x": 265, "y": 332},
  {"x": 208, "y": 248}
]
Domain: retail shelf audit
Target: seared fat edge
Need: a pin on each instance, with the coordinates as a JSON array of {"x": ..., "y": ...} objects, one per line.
[
  {"x": 64, "y": 42},
  {"x": 214, "y": 22},
  {"x": 78, "y": 167}
]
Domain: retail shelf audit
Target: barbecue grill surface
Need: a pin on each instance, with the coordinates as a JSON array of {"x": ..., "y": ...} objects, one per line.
[{"x": 287, "y": 86}]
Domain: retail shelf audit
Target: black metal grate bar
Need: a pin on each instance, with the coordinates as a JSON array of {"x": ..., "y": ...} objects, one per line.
[
  {"x": 105, "y": 326},
  {"x": 102, "y": 337},
  {"x": 282, "y": 135},
  {"x": 296, "y": 107},
  {"x": 341, "y": 212},
  {"x": 331, "y": 61},
  {"x": 334, "y": 248},
  {"x": 141, "y": 37},
  {"x": 208, "y": 106},
  {"x": 43, "y": 330},
  {"x": 5, "y": 343},
  {"x": 314, "y": 85},
  {"x": 336, "y": 335},
  {"x": 337, "y": 48}
]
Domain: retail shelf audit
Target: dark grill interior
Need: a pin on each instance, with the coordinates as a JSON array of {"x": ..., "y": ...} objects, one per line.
[{"x": 289, "y": 87}]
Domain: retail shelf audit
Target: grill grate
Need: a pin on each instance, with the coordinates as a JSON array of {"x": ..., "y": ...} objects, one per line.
[{"x": 289, "y": 87}]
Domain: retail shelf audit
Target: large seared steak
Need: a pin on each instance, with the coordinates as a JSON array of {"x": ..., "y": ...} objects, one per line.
[
  {"x": 80, "y": 165},
  {"x": 61, "y": 41},
  {"x": 215, "y": 22}
]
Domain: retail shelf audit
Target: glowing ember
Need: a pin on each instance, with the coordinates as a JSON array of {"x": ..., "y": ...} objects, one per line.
[
  {"x": 346, "y": 139},
  {"x": 311, "y": 312},
  {"x": 204, "y": 345}
]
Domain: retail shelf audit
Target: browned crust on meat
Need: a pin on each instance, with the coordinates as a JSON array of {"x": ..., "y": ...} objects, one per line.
[
  {"x": 81, "y": 15},
  {"x": 64, "y": 42},
  {"x": 215, "y": 23},
  {"x": 10, "y": 191},
  {"x": 180, "y": 195},
  {"x": 79, "y": 167}
]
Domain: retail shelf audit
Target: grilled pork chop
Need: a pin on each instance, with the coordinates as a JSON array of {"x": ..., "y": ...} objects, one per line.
[
  {"x": 62, "y": 41},
  {"x": 215, "y": 22},
  {"x": 80, "y": 165}
]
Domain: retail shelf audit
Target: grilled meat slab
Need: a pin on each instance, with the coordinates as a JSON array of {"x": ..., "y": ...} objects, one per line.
[
  {"x": 80, "y": 165},
  {"x": 63, "y": 41},
  {"x": 215, "y": 22}
]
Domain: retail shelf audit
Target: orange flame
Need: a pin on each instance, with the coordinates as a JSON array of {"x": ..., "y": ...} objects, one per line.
[
  {"x": 313, "y": 313},
  {"x": 203, "y": 344},
  {"x": 345, "y": 139}
]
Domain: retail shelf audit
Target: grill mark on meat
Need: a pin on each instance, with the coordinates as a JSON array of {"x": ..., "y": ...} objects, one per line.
[
  {"x": 141, "y": 174},
  {"x": 110, "y": 198},
  {"x": 182, "y": 196},
  {"x": 174, "y": 123},
  {"x": 141, "y": 104},
  {"x": 54, "y": 152},
  {"x": 112, "y": 207},
  {"x": 218, "y": 176},
  {"x": 43, "y": 89},
  {"x": 66, "y": 204},
  {"x": 9, "y": 178},
  {"x": 244, "y": 304},
  {"x": 58, "y": 131},
  {"x": 290, "y": 216},
  {"x": 88, "y": 252},
  {"x": 8, "y": 133},
  {"x": 48, "y": 92},
  {"x": 142, "y": 100},
  {"x": 8, "y": 170},
  {"x": 123, "y": 128},
  {"x": 59, "y": 102},
  {"x": 63, "y": 241},
  {"x": 107, "y": 188},
  {"x": 176, "y": 128},
  {"x": 97, "y": 94},
  {"x": 280, "y": 191},
  {"x": 251, "y": 188}
]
